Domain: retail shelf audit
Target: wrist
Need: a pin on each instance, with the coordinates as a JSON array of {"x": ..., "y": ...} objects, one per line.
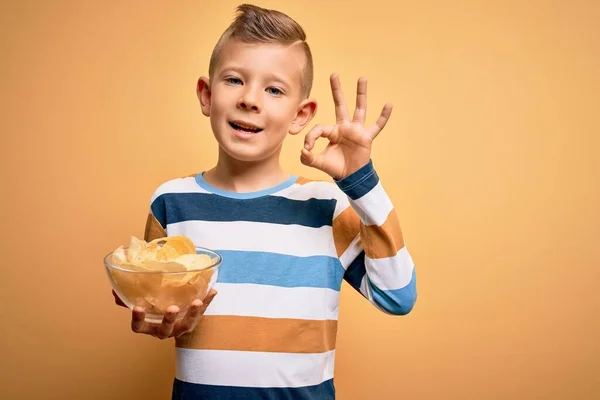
[{"x": 354, "y": 167}]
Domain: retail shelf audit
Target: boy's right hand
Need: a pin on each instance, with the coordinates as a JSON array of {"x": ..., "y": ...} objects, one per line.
[{"x": 170, "y": 327}]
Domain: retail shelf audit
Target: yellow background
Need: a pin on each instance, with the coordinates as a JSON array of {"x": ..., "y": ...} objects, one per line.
[{"x": 490, "y": 158}]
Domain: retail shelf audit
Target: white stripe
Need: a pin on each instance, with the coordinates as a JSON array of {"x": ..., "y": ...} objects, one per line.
[
  {"x": 342, "y": 203},
  {"x": 274, "y": 302},
  {"x": 295, "y": 240},
  {"x": 253, "y": 369},
  {"x": 364, "y": 288},
  {"x": 317, "y": 190},
  {"x": 351, "y": 252},
  {"x": 309, "y": 190},
  {"x": 390, "y": 273},
  {"x": 374, "y": 207},
  {"x": 179, "y": 185}
]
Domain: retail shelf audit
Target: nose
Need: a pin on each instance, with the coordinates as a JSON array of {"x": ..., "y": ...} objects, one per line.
[{"x": 250, "y": 100}]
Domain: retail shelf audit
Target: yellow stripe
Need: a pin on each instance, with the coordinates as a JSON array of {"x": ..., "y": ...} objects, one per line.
[
  {"x": 303, "y": 181},
  {"x": 154, "y": 229},
  {"x": 345, "y": 228},
  {"x": 224, "y": 332},
  {"x": 382, "y": 241}
]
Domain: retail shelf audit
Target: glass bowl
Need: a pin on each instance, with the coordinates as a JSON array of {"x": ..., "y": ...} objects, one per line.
[{"x": 156, "y": 291}]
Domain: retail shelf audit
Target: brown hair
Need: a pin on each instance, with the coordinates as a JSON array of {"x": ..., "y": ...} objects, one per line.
[{"x": 254, "y": 24}]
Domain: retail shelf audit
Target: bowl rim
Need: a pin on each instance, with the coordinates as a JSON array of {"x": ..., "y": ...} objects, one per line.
[{"x": 219, "y": 261}]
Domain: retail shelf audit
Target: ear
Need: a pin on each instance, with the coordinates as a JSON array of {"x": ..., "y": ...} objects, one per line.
[
  {"x": 204, "y": 95},
  {"x": 306, "y": 111}
]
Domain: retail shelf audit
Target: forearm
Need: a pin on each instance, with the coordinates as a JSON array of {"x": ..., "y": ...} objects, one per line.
[{"x": 383, "y": 271}]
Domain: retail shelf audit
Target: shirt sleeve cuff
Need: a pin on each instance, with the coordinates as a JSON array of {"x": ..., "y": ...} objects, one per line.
[{"x": 360, "y": 182}]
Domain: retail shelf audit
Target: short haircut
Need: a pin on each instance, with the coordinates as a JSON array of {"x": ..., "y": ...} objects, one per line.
[{"x": 254, "y": 24}]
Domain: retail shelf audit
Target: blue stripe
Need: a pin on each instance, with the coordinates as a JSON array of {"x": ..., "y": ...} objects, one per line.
[
  {"x": 280, "y": 270},
  {"x": 355, "y": 271},
  {"x": 171, "y": 208},
  {"x": 360, "y": 182},
  {"x": 158, "y": 210},
  {"x": 193, "y": 391},
  {"x": 398, "y": 301}
]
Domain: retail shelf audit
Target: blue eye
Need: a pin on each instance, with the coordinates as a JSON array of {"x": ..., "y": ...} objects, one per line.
[
  {"x": 274, "y": 91},
  {"x": 233, "y": 81}
]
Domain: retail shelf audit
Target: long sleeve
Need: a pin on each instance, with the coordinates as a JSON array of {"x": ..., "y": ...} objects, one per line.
[{"x": 370, "y": 245}]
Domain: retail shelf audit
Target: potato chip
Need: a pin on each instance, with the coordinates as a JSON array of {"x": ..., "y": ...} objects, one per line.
[
  {"x": 145, "y": 256},
  {"x": 169, "y": 266},
  {"x": 167, "y": 254},
  {"x": 191, "y": 278},
  {"x": 119, "y": 256},
  {"x": 195, "y": 261},
  {"x": 135, "y": 247},
  {"x": 182, "y": 244},
  {"x": 135, "y": 267}
]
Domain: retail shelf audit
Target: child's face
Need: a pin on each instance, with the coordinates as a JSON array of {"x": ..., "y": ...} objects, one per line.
[{"x": 255, "y": 98}]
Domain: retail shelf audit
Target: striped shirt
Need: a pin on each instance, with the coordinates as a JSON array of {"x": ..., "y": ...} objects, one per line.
[{"x": 270, "y": 332}]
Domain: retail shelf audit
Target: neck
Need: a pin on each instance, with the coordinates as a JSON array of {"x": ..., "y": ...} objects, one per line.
[{"x": 245, "y": 176}]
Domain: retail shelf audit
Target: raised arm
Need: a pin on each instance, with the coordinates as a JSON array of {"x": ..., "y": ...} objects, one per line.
[
  {"x": 366, "y": 229},
  {"x": 370, "y": 244}
]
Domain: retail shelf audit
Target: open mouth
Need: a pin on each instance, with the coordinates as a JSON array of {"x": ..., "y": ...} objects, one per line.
[{"x": 245, "y": 127}]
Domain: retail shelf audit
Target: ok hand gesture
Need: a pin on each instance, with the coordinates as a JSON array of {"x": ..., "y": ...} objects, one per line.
[{"x": 349, "y": 146}]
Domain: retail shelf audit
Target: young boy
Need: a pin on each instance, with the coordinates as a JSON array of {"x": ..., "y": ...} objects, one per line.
[{"x": 287, "y": 242}]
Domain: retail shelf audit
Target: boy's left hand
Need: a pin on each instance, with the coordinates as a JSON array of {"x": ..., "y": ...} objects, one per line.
[{"x": 349, "y": 146}]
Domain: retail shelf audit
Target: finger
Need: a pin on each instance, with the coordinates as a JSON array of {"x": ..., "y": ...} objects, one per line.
[
  {"x": 360, "y": 113},
  {"x": 165, "y": 329},
  {"x": 190, "y": 320},
  {"x": 341, "y": 112},
  {"x": 310, "y": 160},
  {"x": 315, "y": 133},
  {"x": 138, "y": 320},
  {"x": 381, "y": 121},
  {"x": 208, "y": 299}
]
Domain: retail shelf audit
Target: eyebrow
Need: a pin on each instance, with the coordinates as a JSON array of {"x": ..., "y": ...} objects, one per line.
[{"x": 242, "y": 70}]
